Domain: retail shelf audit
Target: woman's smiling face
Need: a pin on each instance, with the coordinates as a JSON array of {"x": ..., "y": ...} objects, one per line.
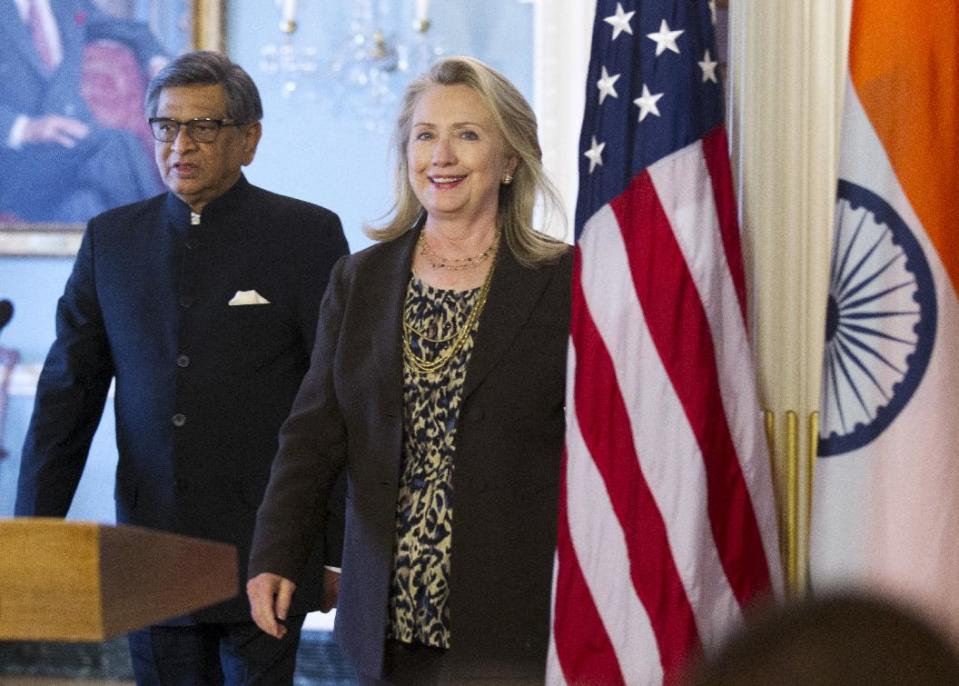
[{"x": 457, "y": 157}]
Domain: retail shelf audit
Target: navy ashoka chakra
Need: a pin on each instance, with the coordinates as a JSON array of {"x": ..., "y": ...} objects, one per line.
[{"x": 880, "y": 321}]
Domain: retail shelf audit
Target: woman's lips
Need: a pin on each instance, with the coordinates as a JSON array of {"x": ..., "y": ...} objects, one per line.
[{"x": 446, "y": 181}]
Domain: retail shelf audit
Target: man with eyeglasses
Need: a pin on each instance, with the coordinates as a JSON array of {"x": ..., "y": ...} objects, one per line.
[{"x": 202, "y": 305}]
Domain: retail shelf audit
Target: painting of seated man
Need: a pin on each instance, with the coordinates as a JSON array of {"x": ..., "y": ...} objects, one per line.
[{"x": 73, "y": 136}]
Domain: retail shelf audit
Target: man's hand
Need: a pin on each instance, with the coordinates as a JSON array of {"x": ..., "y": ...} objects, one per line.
[
  {"x": 331, "y": 589},
  {"x": 270, "y": 597},
  {"x": 52, "y": 128}
]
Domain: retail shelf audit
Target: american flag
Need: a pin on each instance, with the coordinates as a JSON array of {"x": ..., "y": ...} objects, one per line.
[{"x": 667, "y": 522}]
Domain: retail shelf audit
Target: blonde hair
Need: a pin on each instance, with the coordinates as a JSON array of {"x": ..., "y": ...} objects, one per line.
[{"x": 517, "y": 124}]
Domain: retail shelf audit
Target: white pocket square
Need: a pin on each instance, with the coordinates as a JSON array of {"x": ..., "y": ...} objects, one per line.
[{"x": 248, "y": 298}]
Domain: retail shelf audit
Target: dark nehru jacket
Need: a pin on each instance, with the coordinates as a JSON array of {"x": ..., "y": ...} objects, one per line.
[{"x": 202, "y": 386}]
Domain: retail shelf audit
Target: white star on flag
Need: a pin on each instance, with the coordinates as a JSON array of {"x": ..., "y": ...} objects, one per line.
[
  {"x": 620, "y": 21},
  {"x": 606, "y": 85},
  {"x": 665, "y": 39},
  {"x": 595, "y": 155},
  {"x": 708, "y": 65},
  {"x": 647, "y": 103}
]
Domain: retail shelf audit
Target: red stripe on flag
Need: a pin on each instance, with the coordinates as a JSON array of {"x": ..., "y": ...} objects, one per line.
[
  {"x": 680, "y": 330},
  {"x": 716, "y": 151},
  {"x": 654, "y": 575},
  {"x": 583, "y": 648}
]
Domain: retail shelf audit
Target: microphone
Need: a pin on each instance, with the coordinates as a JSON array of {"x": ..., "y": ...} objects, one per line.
[{"x": 6, "y": 313}]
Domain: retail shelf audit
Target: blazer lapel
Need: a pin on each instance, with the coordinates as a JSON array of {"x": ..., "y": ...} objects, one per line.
[
  {"x": 387, "y": 294},
  {"x": 512, "y": 296}
]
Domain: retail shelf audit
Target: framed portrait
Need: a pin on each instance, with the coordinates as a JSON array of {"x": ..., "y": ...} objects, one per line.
[{"x": 73, "y": 135}]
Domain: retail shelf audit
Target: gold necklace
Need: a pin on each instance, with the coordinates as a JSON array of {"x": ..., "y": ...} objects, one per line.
[
  {"x": 424, "y": 366},
  {"x": 407, "y": 326},
  {"x": 453, "y": 264}
]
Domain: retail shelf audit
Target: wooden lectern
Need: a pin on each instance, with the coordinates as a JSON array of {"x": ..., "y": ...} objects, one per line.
[{"x": 80, "y": 581}]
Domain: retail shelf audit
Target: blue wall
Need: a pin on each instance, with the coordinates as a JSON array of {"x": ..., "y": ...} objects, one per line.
[
  {"x": 321, "y": 153},
  {"x": 309, "y": 150}
]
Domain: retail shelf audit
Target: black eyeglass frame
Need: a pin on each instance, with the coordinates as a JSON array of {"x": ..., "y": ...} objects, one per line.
[{"x": 190, "y": 129}]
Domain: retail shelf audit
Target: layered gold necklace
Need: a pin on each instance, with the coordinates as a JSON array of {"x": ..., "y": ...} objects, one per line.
[
  {"x": 454, "y": 264},
  {"x": 462, "y": 334}
]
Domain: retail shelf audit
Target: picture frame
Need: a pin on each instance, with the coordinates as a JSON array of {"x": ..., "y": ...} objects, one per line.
[{"x": 179, "y": 26}]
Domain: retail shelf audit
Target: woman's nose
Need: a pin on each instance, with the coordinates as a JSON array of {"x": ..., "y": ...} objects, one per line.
[{"x": 443, "y": 152}]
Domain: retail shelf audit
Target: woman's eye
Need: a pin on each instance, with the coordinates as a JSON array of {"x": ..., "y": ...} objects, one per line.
[
  {"x": 470, "y": 135},
  {"x": 424, "y": 136}
]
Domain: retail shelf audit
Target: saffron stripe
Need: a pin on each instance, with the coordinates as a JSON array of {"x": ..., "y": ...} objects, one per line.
[{"x": 890, "y": 81}]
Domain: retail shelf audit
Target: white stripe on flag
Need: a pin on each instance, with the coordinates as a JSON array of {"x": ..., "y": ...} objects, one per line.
[
  {"x": 684, "y": 187},
  {"x": 678, "y": 484},
  {"x": 604, "y": 560}
]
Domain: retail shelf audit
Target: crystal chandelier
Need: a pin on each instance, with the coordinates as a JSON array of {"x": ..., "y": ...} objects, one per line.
[
  {"x": 294, "y": 65},
  {"x": 385, "y": 44}
]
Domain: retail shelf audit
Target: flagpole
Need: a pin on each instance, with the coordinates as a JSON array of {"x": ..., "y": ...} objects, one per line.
[
  {"x": 792, "y": 503},
  {"x": 779, "y": 489},
  {"x": 793, "y": 493},
  {"x": 812, "y": 446}
]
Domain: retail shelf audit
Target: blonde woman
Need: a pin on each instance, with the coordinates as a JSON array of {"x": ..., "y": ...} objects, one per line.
[{"x": 438, "y": 381}]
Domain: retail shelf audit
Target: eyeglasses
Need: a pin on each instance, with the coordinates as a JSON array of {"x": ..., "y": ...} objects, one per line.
[{"x": 201, "y": 129}]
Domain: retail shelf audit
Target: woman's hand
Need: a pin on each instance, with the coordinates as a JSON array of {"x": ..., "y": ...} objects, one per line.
[{"x": 270, "y": 596}]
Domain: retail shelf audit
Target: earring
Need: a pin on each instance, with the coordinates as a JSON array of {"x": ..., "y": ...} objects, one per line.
[{"x": 507, "y": 179}]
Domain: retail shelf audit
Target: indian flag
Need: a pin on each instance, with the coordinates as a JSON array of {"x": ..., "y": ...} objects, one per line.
[{"x": 886, "y": 503}]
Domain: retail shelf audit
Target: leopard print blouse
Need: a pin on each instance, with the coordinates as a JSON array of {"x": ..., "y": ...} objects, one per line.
[{"x": 419, "y": 594}]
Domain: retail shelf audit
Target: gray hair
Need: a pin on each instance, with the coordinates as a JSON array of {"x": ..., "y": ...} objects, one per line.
[
  {"x": 207, "y": 68},
  {"x": 516, "y": 122}
]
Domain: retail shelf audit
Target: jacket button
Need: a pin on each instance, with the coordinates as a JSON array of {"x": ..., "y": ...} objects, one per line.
[
  {"x": 179, "y": 419},
  {"x": 186, "y": 301},
  {"x": 182, "y": 360}
]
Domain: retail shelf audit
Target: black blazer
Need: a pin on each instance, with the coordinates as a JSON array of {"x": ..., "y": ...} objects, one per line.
[
  {"x": 506, "y": 466},
  {"x": 201, "y": 387}
]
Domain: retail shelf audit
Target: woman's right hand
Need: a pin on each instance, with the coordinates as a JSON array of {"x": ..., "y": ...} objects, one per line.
[{"x": 270, "y": 596}]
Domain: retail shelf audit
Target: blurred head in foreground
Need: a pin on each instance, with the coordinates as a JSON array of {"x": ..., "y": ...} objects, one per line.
[{"x": 838, "y": 640}]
